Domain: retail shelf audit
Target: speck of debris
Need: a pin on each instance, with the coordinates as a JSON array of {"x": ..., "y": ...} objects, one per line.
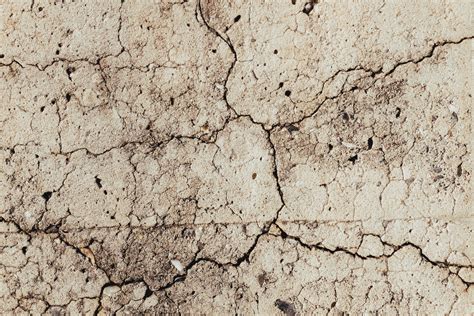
[{"x": 177, "y": 264}]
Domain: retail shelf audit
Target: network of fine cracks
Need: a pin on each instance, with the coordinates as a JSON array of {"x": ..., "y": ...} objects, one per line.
[{"x": 269, "y": 227}]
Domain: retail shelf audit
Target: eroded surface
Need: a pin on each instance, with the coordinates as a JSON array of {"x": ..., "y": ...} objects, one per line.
[{"x": 236, "y": 157}]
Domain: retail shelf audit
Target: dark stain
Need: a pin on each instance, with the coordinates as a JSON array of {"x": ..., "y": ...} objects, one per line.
[
  {"x": 261, "y": 279},
  {"x": 285, "y": 307},
  {"x": 291, "y": 128}
]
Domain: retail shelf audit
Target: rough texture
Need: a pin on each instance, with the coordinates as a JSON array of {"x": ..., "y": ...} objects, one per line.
[{"x": 249, "y": 157}]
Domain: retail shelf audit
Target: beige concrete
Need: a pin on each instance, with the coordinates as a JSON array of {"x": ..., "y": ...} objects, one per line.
[{"x": 236, "y": 157}]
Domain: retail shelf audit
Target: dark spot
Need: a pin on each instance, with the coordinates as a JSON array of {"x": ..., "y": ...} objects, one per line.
[
  {"x": 370, "y": 143},
  {"x": 23, "y": 249},
  {"x": 172, "y": 101},
  {"x": 308, "y": 7},
  {"x": 291, "y": 128},
  {"x": 105, "y": 192},
  {"x": 285, "y": 307},
  {"x": 57, "y": 52},
  {"x": 60, "y": 44},
  {"x": 53, "y": 101},
  {"x": 275, "y": 51},
  {"x": 68, "y": 97},
  {"x": 397, "y": 113},
  {"x": 333, "y": 304},
  {"x": 287, "y": 93},
  {"x": 254, "y": 175},
  {"x": 214, "y": 51},
  {"x": 330, "y": 146},
  {"x": 98, "y": 181},
  {"x": 40, "y": 9},
  {"x": 47, "y": 195},
  {"x": 293, "y": 2},
  {"x": 459, "y": 171},
  {"x": 261, "y": 279},
  {"x": 42, "y": 109},
  {"x": 1, "y": 55},
  {"x": 280, "y": 85},
  {"x": 237, "y": 18},
  {"x": 353, "y": 159},
  {"x": 345, "y": 116}
]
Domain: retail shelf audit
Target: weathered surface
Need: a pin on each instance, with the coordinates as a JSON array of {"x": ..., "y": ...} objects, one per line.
[{"x": 249, "y": 157}]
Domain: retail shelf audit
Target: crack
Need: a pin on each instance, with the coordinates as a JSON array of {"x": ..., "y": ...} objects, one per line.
[{"x": 318, "y": 246}]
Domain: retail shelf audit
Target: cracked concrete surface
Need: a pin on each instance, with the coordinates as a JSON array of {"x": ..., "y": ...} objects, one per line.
[{"x": 236, "y": 157}]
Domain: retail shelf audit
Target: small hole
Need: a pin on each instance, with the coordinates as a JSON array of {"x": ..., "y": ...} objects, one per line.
[
  {"x": 236, "y": 19},
  {"x": 370, "y": 143},
  {"x": 42, "y": 109},
  {"x": 287, "y": 93},
  {"x": 98, "y": 181},
  {"x": 254, "y": 175},
  {"x": 68, "y": 97},
  {"x": 275, "y": 51},
  {"x": 308, "y": 7},
  {"x": 47, "y": 195},
  {"x": 1, "y": 55},
  {"x": 397, "y": 113},
  {"x": 70, "y": 70},
  {"x": 353, "y": 159},
  {"x": 459, "y": 171}
]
